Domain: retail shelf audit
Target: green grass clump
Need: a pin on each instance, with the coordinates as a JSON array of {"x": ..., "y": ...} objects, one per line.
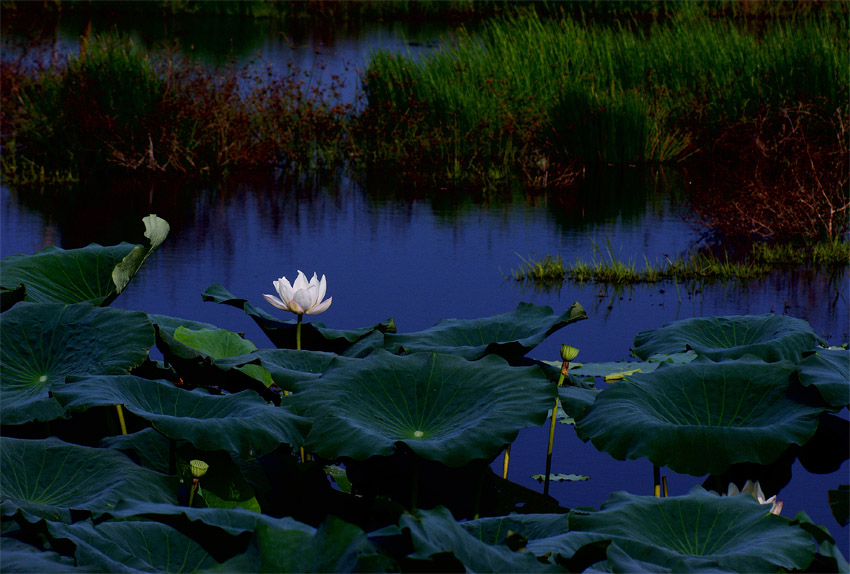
[{"x": 611, "y": 269}]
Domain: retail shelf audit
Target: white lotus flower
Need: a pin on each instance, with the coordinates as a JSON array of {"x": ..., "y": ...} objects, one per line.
[
  {"x": 302, "y": 296},
  {"x": 754, "y": 490}
]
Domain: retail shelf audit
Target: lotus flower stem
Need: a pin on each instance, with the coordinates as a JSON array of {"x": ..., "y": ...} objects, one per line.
[
  {"x": 120, "y": 410},
  {"x": 567, "y": 354},
  {"x": 298, "y": 333}
]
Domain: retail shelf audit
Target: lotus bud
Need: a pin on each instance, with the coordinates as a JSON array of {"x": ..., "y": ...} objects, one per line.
[
  {"x": 568, "y": 353},
  {"x": 199, "y": 468}
]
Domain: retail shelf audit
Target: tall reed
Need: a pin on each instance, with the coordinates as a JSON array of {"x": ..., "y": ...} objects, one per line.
[{"x": 617, "y": 94}]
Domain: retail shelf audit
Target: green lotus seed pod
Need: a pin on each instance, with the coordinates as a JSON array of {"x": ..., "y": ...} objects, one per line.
[
  {"x": 199, "y": 468},
  {"x": 568, "y": 353}
]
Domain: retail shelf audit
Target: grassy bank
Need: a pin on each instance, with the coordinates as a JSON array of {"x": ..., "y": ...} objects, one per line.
[
  {"x": 533, "y": 94},
  {"x": 552, "y": 271}
]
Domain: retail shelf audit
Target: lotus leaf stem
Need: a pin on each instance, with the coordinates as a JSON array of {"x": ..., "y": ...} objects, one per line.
[
  {"x": 120, "y": 410},
  {"x": 507, "y": 461},
  {"x": 664, "y": 485},
  {"x": 656, "y": 481}
]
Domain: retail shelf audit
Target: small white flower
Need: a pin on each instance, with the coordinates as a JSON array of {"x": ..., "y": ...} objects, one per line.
[{"x": 302, "y": 296}]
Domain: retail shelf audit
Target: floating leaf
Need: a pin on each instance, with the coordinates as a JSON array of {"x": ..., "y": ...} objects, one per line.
[
  {"x": 769, "y": 337},
  {"x": 242, "y": 423},
  {"x": 700, "y": 418},
  {"x": 43, "y": 343},
  {"x": 314, "y": 335},
  {"x": 698, "y": 531},
  {"x": 49, "y": 478},
  {"x": 510, "y": 335},
  {"x": 560, "y": 477},
  {"x": 828, "y": 370},
  {"x": 132, "y": 546},
  {"x": 443, "y": 407}
]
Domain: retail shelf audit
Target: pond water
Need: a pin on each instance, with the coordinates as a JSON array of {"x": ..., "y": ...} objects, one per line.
[{"x": 425, "y": 257}]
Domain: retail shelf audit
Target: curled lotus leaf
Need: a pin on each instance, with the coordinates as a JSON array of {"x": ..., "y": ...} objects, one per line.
[
  {"x": 94, "y": 274},
  {"x": 50, "y": 478},
  {"x": 828, "y": 370},
  {"x": 769, "y": 337},
  {"x": 442, "y": 407},
  {"x": 699, "y": 531},
  {"x": 241, "y": 423},
  {"x": 510, "y": 335},
  {"x": 701, "y": 417},
  {"x": 41, "y": 344}
]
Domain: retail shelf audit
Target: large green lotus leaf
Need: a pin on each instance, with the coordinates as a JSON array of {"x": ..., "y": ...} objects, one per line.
[
  {"x": 241, "y": 423},
  {"x": 55, "y": 275},
  {"x": 288, "y": 366},
  {"x": 701, "y": 417},
  {"x": 198, "y": 369},
  {"x": 443, "y": 407},
  {"x": 229, "y": 521},
  {"x": 828, "y": 370},
  {"x": 93, "y": 274},
  {"x": 510, "y": 335},
  {"x": 434, "y": 532},
  {"x": 43, "y": 343},
  {"x": 314, "y": 335},
  {"x": 132, "y": 546},
  {"x": 222, "y": 344},
  {"x": 698, "y": 531},
  {"x": 217, "y": 343},
  {"x": 336, "y": 546},
  {"x": 769, "y": 337},
  {"x": 21, "y": 557},
  {"x": 496, "y": 529},
  {"x": 170, "y": 324},
  {"x": 149, "y": 447},
  {"x": 49, "y": 478}
]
